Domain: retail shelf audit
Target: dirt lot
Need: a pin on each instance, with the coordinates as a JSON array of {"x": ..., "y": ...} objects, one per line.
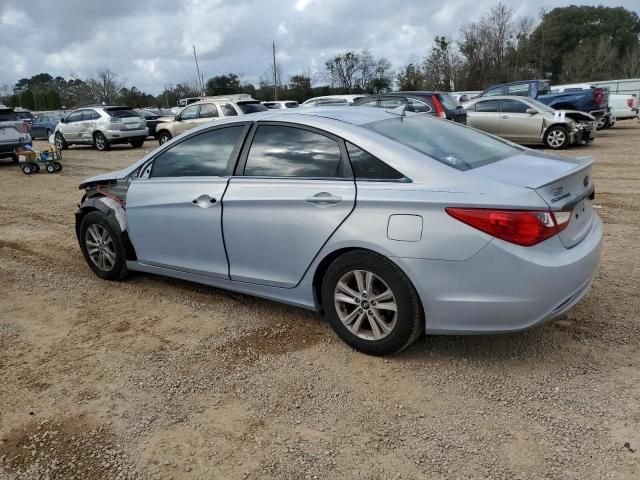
[{"x": 156, "y": 378}]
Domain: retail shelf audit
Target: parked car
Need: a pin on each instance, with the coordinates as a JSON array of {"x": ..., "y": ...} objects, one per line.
[
  {"x": 439, "y": 104},
  {"x": 594, "y": 101},
  {"x": 527, "y": 121},
  {"x": 151, "y": 119},
  {"x": 14, "y": 132},
  {"x": 205, "y": 111},
  {"x": 45, "y": 124},
  {"x": 278, "y": 104},
  {"x": 331, "y": 100},
  {"x": 390, "y": 224},
  {"x": 608, "y": 119},
  {"x": 25, "y": 115},
  {"x": 624, "y": 106},
  {"x": 101, "y": 126}
]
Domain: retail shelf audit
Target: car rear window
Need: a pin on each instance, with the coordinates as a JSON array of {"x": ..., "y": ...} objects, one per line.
[
  {"x": 291, "y": 104},
  {"x": 459, "y": 147},
  {"x": 252, "y": 107},
  {"x": 8, "y": 115},
  {"x": 121, "y": 112},
  {"x": 448, "y": 101}
]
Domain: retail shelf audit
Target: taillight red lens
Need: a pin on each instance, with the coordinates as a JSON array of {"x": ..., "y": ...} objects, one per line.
[
  {"x": 630, "y": 102},
  {"x": 597, "y": 95},
  {"x": 522, "y": 227},
  {"x": 439, "y": 110}
]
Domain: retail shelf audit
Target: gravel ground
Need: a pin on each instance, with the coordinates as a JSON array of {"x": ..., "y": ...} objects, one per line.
[{"x": 157, "y": 378}]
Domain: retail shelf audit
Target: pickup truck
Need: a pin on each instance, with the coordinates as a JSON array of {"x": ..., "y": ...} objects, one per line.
[
  {"x": 594, "y": 100},
  {"x": 13, "y": 132}
]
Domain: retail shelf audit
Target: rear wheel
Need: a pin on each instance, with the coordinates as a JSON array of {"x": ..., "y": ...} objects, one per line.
[
  {"x": 35, "y": 167},
  {"x": 50, "y": 168},
  {"x": 137, "y": 142},
  {"x": 371, "y": 304},
  {"x": 102, "y": 248},
  {"x": 57, "y": 166},
  {"x": 100, "y": 142},
  {"x": 27, "y": 169},
  {"x": 164, "y": 137},
  {"x": 556, "y": 137},
  {"x": 60, "y": 142}
]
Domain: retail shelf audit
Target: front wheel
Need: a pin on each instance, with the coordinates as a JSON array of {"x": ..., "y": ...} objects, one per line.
[
  {"x": 371, "y": 304},
  {"x": 27, "y": 169},
  {"x": 57, "y": 166},
  {"x": 60, "y": 142},
  {"x": 50, "y": 168},
  {"x": 102, "y": 248},
  {"x": 100, "y": 142},
  {"x": 163, "y": 137},
  {"x": 557, "y": 138}
]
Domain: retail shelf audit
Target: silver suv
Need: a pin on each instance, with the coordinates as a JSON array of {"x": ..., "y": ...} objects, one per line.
[{"x": 101, "y": 127}]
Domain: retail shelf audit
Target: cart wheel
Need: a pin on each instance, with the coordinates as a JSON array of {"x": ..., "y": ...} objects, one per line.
[
  {"x": 35, "y": 167},
  {"x": 27, "y": 169},
  {"x": 57, "y": 166},
  {"x": 50, "y": 168}
]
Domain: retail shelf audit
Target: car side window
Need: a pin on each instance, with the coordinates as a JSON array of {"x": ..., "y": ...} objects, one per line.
[
  {"x": 493, "y": 92},
  {"x": 208, "y": 110},
  {"x": 513, "y": 106},
  {"x": 369, "y": 102},
  {"x": 190, "y": 113},
  {"x": 418, "y": 106},
  {"x": 487, "y": 106},
  {"x": 366, "y": 166},
  {"x": 521, "y": 90},
  {"x": 206, "y": 154},
  {"x": 228, "y": 110},
  {"x": 281, "y": 151},
  {"x": 89, "y": 115},
  {"x": 392, "y": 102},
  {"x": 75, "y": 117}
]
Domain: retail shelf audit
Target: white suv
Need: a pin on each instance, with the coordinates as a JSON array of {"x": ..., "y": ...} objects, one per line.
[{"x": 101, "y": 127}]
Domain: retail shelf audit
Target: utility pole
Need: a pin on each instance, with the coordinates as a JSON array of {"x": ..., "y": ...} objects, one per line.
[
  {"x": 198, "y": 70},
  {"x": 275, "y": 74}
]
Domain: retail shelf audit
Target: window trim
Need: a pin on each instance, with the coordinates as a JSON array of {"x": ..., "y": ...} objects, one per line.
[
  {"x": 344, "y": 157},
  {"x": 216, "y": 108},
  {"x": 231, "y": 165},
  {"x": 514, "y": 100},
  {"x": 488, "y": 99},
  {"x": 404, "y": 178}
]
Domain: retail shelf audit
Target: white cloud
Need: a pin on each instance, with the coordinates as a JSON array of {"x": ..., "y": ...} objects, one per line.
[
  {"x": 301, "y": 5},
  {"x": 282, "y": 29},
  {"x": 12, "y": 16}
]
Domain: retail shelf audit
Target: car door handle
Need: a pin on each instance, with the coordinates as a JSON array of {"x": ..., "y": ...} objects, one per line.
[
  {"x": 324, "y": 199},
  {"x": 204, "y": 201},
  {"x": 504, "y": 117}
]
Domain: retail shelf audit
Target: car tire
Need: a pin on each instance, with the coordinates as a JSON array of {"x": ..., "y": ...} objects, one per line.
[
  {"x": 137, "y": 142},
  {"x": 35, "y": 167},
  {"x": 60, "y": 142},
  {"x": 163, "y": 137},
  {"x": 557, "y": 137},
  {"x": 57, "y": 166},
  {"x": 100, "y": 142},
  {"x": 353, "y": 312},
  {"x": 102, "y": 248},
  {"x": 603, "y": 122}
]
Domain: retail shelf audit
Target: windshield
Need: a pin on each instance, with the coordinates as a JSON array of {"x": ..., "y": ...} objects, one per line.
[
  {"x": 459, "y": 147},
  {"x": 541, "y": 107},
  {"x": 252, "y": 107}
]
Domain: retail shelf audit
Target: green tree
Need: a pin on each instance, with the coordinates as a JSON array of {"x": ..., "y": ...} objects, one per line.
[
  {"x": 223, "y": 84},
  {"x": 410, "y": 78}
]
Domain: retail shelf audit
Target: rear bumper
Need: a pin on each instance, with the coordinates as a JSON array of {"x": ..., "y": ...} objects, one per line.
[
  {"x": 505, "y": 288},
  {"x": 115, "y": 136}
]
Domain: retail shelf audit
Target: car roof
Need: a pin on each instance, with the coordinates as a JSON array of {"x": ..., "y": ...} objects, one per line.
[{"x": 354, "y": 116}]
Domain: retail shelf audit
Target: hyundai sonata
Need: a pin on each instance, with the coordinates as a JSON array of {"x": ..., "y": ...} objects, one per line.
[{"x": 391, "y": 224}]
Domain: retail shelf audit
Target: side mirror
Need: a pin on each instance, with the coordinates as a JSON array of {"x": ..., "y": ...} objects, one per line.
[
  {"x": 63, "y": 120},
  {"x": 531, "y": 111}
]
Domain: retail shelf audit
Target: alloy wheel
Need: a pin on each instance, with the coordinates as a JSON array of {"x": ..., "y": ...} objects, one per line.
[
  {"x": 100, "y": 247},
  {"x": 365, "y": 305},
  {"x": 100, "y": 142},
  {"x": 556, "y": 138}
]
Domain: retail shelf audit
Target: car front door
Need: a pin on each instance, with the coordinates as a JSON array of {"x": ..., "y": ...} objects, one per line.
[
  {"x": 518, "y": 125},
  {"x": 187, "y": 119},
  {"x": 293, "y": 188},
  {"x": 71, "y": 127},
  {"x": 174, "y": 209},
  {"x": 484, "y": 115}
]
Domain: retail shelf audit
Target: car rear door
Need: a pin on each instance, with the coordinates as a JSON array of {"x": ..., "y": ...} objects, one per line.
[
  {"x": 207, "y": 113},
  {"x": 174, "y": 208},
  {"x": 518, "y": 125},
  {"x": 484, "y": 115},
  {"x": 293, "y": 188}
]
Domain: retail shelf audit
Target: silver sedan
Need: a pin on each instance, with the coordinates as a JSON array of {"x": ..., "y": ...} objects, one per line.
[{"x": 391, "y": 224}]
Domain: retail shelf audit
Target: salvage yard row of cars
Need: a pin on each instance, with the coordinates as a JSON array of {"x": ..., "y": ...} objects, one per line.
[{"x": 389, "y": 220}]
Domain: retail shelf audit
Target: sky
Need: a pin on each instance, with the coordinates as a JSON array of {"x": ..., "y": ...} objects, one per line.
[{"x": 149, "y": 42}]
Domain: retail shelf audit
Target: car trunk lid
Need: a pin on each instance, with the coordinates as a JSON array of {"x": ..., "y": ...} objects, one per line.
[{"x": 563, "y": 183}]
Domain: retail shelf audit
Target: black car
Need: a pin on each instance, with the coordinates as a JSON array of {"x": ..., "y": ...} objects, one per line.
[
  {"x": 438, "y": 104},
  {"x": 152, "y": 120}
]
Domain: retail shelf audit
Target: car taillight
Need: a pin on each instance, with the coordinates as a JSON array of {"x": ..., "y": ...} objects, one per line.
[
  {"x": 439, "y": 110},
  {"x": 597, "y": 92},
  {"x": 522, "y": 227},
  {"x": 630, "y": 102}
]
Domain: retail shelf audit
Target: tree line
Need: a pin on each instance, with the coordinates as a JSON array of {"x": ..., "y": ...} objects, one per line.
[{"x": 565, "y": 45}]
